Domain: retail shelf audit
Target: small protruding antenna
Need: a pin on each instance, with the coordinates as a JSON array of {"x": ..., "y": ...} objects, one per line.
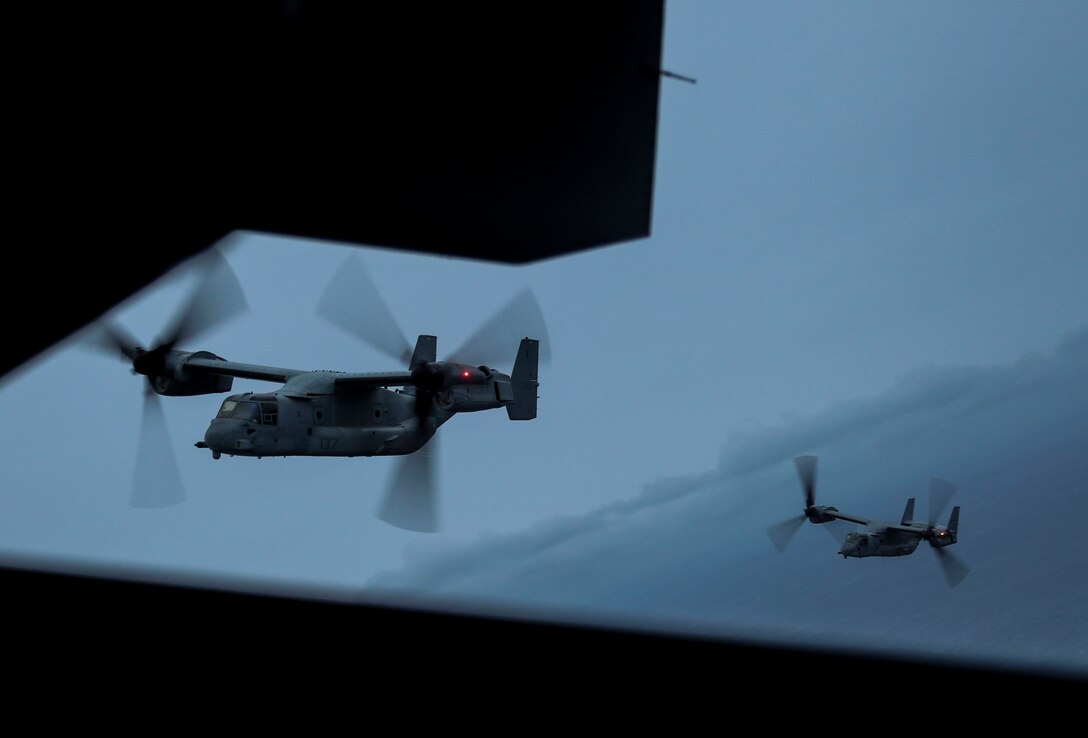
[{"x": 674, "y": 75}]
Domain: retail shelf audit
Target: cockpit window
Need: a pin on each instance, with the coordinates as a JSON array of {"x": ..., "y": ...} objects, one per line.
[
  {"x": 227, "y": 408},
  {"x": 248, "y": 411}
]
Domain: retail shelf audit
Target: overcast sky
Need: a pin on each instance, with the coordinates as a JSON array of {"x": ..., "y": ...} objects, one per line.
[{"x": 869, "y": 243}]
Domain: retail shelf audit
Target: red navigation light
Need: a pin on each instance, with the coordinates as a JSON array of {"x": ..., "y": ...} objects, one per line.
[{"x": 465, "y": 373}]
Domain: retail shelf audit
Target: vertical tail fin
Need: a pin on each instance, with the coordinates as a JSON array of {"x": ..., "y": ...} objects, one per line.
[
  {"x": 954, "y": 521},
  {"x": 908, "y": 513},
  {"x": 426, "y": 351},
  {"x": 523, "y": 379}
]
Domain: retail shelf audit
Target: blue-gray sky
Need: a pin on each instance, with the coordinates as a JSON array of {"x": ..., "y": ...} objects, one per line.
[{"x": 869, "y": 243}]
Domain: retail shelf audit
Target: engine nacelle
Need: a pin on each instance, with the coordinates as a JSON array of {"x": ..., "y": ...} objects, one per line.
[
  {"x": 442, "y": 375},
  {"x": 818, "y": 513},
  {"x": 175, "y": 381},
  {"x": 466, "y": 398},
  {"x": 942, "y": 537}
]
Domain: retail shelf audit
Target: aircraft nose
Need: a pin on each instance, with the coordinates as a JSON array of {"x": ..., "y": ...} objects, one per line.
[{"x": 218, "y": 436}]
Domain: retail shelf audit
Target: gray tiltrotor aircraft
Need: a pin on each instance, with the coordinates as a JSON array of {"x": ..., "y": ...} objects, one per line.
[
  {"x": 333, "y": 413},
  {"x": 879, "y": 538}
]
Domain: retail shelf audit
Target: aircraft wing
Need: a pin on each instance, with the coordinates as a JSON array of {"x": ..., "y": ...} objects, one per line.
[
  {"x": 912, "y": 529},
  {"x": 344, "y": 381},
  {"x": 849, "y": 518},
  {"x": 243, "y": 371},
  {"x": 365, "y": 380}
]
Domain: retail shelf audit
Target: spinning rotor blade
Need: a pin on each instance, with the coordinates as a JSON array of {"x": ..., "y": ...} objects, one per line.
[
  {"x": 782, "y": 533},
  {"x": 352, "y": 303},
  {"x": 111, "y": 340},
  {"x": 806, "y": 471},
  {"x": 157, "y": 482},
  {"x": 940, "y": 492},
  {"x": 838, "y": 529},
  {"x": 216, "y": 299},
  {"x": 411, "y": 500},
  {"x": 954, "y": 569},
  {"x": 496, "y": 341}
]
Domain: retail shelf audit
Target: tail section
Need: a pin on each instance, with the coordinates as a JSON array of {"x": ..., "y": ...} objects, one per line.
[
  {"x": 947, "y": 536},
  {"x": 954, "y": 521},
  {"x": 908, "y": 513},
  {"x": 426, "y": 351},
  {"x": 524, "y": 381}
]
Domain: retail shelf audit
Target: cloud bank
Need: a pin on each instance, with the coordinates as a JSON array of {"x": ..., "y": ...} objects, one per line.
[{"x": 692, "y": 553}]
